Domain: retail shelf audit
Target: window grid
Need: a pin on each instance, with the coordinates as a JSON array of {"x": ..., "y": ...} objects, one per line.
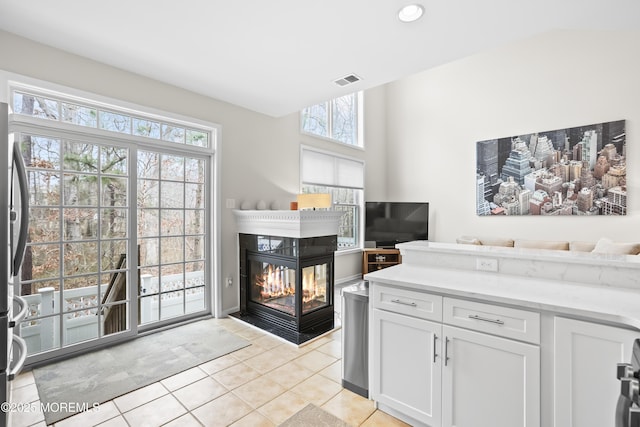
[{"x": 85, "y": 114}]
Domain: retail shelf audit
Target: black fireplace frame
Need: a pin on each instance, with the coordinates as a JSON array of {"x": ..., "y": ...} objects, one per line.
[{"x": 301, "y": 252}]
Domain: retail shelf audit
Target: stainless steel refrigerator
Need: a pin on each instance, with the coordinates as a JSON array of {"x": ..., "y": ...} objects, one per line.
[{"x": 14, "y": 221}]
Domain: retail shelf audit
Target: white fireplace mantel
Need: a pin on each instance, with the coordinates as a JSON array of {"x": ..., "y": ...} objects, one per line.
[{"x": 296, "y": 224}]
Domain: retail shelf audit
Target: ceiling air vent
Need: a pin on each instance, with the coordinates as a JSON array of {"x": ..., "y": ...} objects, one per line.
[{"x": 347, "y": 80}]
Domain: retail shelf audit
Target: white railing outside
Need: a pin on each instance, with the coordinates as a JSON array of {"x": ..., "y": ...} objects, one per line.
[{"x": 43, "y": 333}]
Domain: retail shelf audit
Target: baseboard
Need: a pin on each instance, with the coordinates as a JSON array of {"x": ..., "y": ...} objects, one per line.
[{"x": 228, "y": 311}]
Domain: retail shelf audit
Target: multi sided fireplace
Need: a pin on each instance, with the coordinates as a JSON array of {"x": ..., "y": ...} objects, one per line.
[
  {"x": 288, "y": 282},
  {"x": 287, "y": 279}
]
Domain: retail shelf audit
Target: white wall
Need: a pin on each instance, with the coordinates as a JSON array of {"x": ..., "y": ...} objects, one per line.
[
  {"x": 259, "y": 155},
  {"x": 553, "y": 81}
]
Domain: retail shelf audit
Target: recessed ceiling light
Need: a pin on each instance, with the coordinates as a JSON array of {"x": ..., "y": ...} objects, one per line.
[{"x": 411, "y": 12}]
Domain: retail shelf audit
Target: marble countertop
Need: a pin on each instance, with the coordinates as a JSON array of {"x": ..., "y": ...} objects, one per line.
[
  {"x": 599, "y": 303},
  {"x": 571, "y": 257}
]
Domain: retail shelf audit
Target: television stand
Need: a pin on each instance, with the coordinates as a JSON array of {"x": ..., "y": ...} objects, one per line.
[{"x": 378, "y": 258}]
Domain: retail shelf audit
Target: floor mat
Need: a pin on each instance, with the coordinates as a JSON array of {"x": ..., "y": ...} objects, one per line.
[
  {"x": 79, "y": 383},
  {"x": 312, "y": 416}
]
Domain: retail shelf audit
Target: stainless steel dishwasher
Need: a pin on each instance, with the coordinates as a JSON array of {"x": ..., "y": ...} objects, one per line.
[{"x": 355, "y": 338}]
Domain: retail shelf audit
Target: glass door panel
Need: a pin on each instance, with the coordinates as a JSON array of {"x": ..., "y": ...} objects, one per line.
[
  {"x": 172, "y": 202},
  {"x": 75, "y": 275}
]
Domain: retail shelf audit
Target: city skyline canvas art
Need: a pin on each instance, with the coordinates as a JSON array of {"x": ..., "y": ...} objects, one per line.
[{"x": 574, "y": 171}]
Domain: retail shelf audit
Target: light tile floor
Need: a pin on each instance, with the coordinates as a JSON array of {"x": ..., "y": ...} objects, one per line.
[{"x": 260, "y": 385}]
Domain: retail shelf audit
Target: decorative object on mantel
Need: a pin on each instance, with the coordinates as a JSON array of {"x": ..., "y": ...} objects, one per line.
[
  {"x": 314, "y": 201},
  {"x": 261, "y": 205},
  {"x": 245, "y": 205},
  {"x": 575, "y": 171},
  {"x": 293, "y": 206}
]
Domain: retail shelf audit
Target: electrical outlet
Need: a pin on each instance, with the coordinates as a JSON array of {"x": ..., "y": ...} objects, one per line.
[
  {"x": 231, "y": 203},
  {"x": 487, "y": 264}
]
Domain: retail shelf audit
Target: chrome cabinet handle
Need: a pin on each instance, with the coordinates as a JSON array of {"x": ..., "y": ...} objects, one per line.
[
  {"x": 446, "y": 350},
  {"x": 486, "y": 319},
  {"x": 397, "y": 301},
  {"x": 435, "y": 337}
]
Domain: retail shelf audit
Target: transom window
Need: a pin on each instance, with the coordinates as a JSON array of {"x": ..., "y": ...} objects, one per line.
[
  {"x": 339, "y": 119},
  {"x": 98, "y": 117}
]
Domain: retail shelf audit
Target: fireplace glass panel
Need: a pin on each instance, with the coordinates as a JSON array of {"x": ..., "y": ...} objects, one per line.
[
  {"x": 314, "y": 287},
  {"x": 274, "y": 286}
]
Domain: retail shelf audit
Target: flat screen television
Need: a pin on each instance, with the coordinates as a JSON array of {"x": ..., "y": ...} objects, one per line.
[{"x": 388, "y": 223}]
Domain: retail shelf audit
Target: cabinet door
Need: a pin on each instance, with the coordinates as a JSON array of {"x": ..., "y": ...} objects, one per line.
[
  {"x": 407, "y": 365},
  {"x": 586, "y": 389},
  {"x": 489, "y": 381}
]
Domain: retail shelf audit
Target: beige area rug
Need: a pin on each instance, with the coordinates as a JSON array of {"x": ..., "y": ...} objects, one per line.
[
  {"x": 312, "y": 416},
  {"x": 76, "y": 384}
]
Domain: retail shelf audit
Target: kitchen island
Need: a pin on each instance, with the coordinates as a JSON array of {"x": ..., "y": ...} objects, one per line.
[{"x": 455, "y": 345}]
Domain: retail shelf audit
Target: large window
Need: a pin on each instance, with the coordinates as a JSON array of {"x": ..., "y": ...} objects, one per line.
[
  {"x": 120, "y": 208},
  {"x": 343, "y": 178},
  {"x": 339, "y": 119}
]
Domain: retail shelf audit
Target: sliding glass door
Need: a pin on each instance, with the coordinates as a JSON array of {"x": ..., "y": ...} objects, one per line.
[
  {"x": 100, "y": 263},
  {"x": 120, "y": 212}
]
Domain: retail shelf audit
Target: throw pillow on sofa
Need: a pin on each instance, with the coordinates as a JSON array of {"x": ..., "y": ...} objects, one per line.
[{"x": 608, "y": 246}]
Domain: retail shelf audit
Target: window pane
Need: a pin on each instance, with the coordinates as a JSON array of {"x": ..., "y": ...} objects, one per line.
[
  {"x": 197, "y": 138},
  {"x": 114, "y": 223},
  {"x": 148, "y": 193},
  {"x": 80, "y": 258},
  {"x": 45, "y": 260},
  {"x": 111, "y": 253},
  {"x": 114, "y": 191},
  {"x": 40, "y": 152},
  {"x": 172, "y": 249},
  {"x": 35, "y": 106},
  {"x": 80, "y": 190},
  {"x": 148, "y": 164},
  {"x": 345, "y": 119},
  {"x": 148, "y": 220},
  {"x": 172, "y": 133},
  {"x": 44, "y": 188},
  {"x": 172, "y": 195},
  {"x": 172, "y": 168},
  {"x": 315, "y": 119},
  {"x": 79, "y": 115},
  {"x": 194, "y": 196},
  {"x": 80, "y": 224},
  {"x": 115, "y": 122},
  {"x": 44, "y": 224},
  {"x": 194, "y": 170},
  {"x": 194, "y": 248},
  {"x": 149, "y": 252},
  {"x": 171, "y": 222},
  {"x": 80, "y": 156},
  {"x": 113, "y": 160},
  {"x": 148, "y": 128},
  {"x": 194, "y": 221}
]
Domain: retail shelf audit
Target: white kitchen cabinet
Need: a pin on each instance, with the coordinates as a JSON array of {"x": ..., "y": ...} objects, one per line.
[
  {"x": 585, "y": 385},
  {"x": 407, "y": 365},
  {"x": 489, "y": 381}
]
